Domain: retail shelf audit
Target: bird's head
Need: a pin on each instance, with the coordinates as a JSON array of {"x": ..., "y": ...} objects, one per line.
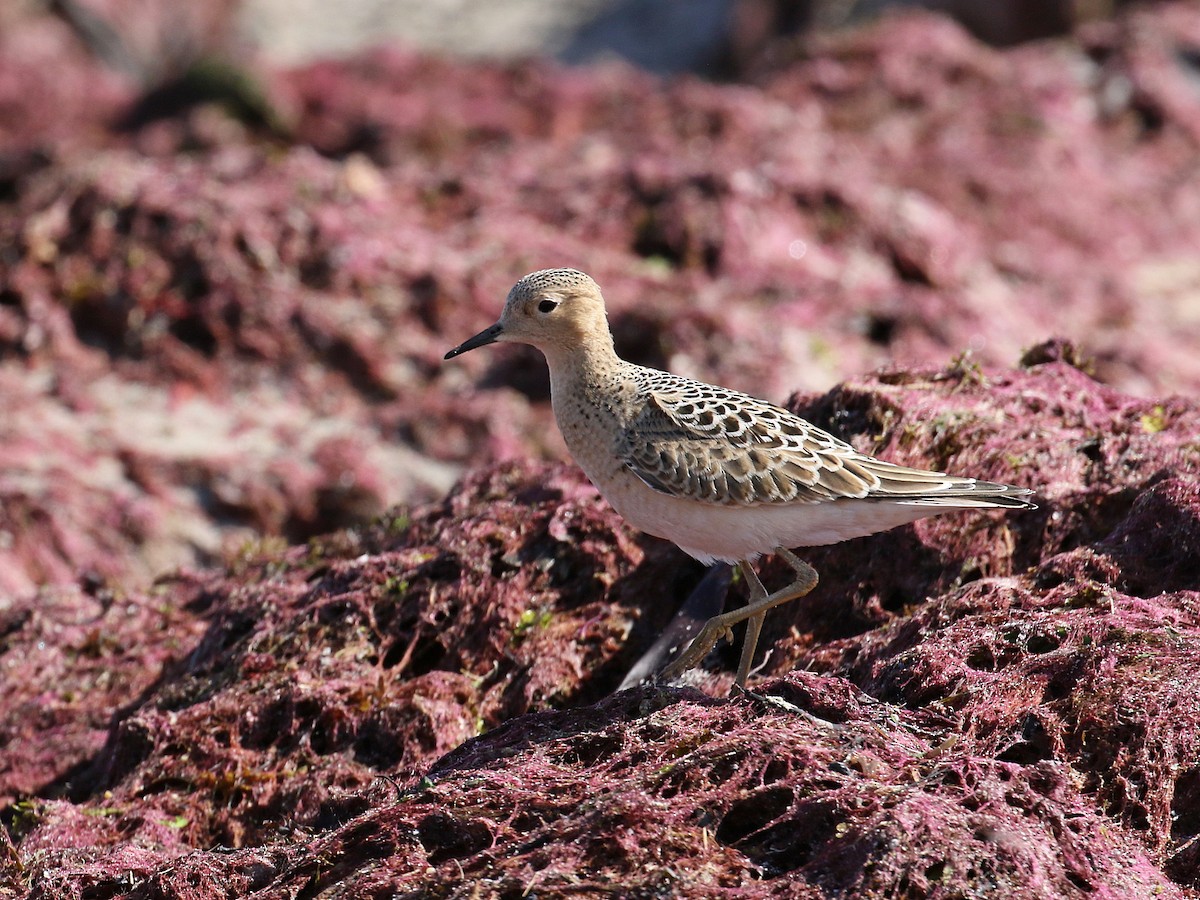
[{"x": 555, "y": 310}]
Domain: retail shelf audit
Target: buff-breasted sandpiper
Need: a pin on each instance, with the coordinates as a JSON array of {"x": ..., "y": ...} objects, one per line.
[{"x": 724, "y": 475}]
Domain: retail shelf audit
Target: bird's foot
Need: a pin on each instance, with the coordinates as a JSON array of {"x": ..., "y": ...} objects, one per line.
[{"x": 713, "y": 632}]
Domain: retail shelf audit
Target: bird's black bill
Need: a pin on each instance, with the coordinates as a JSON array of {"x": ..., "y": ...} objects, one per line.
[{"x": 485, "y": 337}]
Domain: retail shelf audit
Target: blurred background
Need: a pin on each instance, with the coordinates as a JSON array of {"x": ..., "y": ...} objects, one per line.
[
  {"x": 237, "y": 237},
  {"x": 714, "y": 38}
]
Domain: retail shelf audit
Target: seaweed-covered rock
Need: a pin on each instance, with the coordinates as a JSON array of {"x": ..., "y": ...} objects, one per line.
[
  {"x": 319, "y": 667},
  {"x": 998, "y": 701}
]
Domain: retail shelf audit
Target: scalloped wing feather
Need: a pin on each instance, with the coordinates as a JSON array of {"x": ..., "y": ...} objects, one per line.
[{"x": 701, "y": 442}]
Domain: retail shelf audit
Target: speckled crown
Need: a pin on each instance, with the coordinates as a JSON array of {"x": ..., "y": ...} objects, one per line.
[{"x": 549, "y": 279}]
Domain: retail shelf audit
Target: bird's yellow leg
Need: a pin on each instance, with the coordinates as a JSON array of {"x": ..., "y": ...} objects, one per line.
[
  {"x": 753, "y": 625},
  {"x": 754, "y": 612}
]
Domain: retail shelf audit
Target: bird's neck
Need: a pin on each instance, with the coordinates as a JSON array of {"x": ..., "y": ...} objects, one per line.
[
  {"x": 585, "y": 362},
  {"x": 584, "y": 392},
  {"x": 588, "y": 388}
]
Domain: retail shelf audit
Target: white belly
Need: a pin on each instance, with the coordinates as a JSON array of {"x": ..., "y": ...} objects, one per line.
[{"x": 710, "y": 532}]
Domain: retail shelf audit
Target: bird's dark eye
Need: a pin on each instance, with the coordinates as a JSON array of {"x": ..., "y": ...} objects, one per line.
[{"x": 547, "y": 306}]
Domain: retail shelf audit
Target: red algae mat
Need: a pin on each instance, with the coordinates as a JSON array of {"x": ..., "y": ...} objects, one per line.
[
  {"x": 979, "y": 704},
  {"x": 289, "y": 609}
]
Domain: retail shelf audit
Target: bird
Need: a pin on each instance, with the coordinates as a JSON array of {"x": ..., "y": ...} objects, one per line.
[{"x": 724, "y": 475}]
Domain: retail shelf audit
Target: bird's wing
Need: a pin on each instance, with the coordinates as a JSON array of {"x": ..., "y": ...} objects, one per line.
[{"x": 701, "y": 442}]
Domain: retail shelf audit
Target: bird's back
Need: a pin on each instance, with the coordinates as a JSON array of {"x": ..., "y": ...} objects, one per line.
[{"x": 711, "y": 444}]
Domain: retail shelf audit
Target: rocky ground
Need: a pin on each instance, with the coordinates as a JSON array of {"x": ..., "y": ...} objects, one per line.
[{"x": 253, "y": 642}]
